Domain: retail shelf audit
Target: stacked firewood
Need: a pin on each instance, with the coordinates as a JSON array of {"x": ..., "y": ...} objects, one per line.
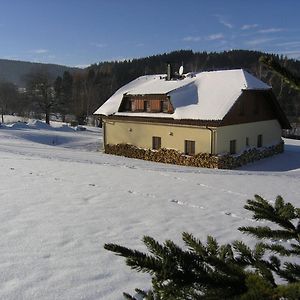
[{"x": 205, "y": 160}]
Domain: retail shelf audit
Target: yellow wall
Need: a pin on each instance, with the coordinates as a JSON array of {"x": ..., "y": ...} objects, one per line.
[
  {"x": 140, "y": 135},
  {"x": 271, "y": 131}
]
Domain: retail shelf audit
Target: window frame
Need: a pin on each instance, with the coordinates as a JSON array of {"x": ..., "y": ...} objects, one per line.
[
  {"x": 128, "y": 105},
  {"x": 232, "y": 147},
  {"x": 156, "y": 142},
  {"x": 189, "y": 147},
  {"x": 164, "y": 106},
  {"x": 247, "y": 141},
  {"x": 147, "y": 106},
  {"x": 259, "y": 141}
]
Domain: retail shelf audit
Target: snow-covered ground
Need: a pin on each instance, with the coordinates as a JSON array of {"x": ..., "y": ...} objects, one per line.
[{"x": 62, "y": 199}]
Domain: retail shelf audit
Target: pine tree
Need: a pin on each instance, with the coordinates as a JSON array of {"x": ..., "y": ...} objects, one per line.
[
  {"x": 230, "y": 271},
  {"x": 290, "y": 78}
]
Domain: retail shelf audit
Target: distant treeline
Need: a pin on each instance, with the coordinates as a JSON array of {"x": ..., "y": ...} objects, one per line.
[{"x": 81, "y": 92}]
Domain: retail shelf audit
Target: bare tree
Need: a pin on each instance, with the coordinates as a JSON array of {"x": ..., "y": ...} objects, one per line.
[
  {"x": 39, "y": 84},
  {"x": 8, "y": 96}
]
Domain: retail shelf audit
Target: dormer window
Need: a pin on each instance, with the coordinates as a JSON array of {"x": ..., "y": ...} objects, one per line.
[{"x": 156, "y": 103}]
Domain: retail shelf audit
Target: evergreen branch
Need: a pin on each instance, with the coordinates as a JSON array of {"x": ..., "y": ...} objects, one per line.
[
  {"x": 212, "y": 246},
  {"x": 194, "y": 244},
  {"x": 265, "y": 232},
  {"x": 135, "y": 259},
  {"x": 293, "y": 269},
  {"x": 128, "y": 297},
  {"x": 281, "y": 214},
  {"x": 275, "y": 262},
  {"x": 284, "y": 73},
  {"x": 244, "y": 253},
  {"x": 145, "y": 263},
  {"x": 154, "y": 247},
  {"x": 276, "y": 248},
  {"x": 121, "y": 250},
  {"x": 231, "y": 271},
  {"x": 141, "y": 292},
  {"x": 295, "y": 249}
]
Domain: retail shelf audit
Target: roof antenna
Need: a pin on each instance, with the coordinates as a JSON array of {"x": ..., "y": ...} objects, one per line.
[{"x": 180, "y": 72}]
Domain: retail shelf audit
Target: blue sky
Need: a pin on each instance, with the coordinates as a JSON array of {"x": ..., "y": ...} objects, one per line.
[{"x": 78, "y": 33}]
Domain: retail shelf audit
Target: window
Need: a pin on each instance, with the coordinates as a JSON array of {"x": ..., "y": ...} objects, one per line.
[
  {"x": 232, "y": 146},
  {"x": 128, "y": 106},
  {"x": 259, "y": 140},
  {"x": 147, "y": 106},
  {"x": 164, "y": 106},
  {"x": 189, "y": 147},
  {"x": 156, "y": 142},
  {"x": 247, "y": 142}
]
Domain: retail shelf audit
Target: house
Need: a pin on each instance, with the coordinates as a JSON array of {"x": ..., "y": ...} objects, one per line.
[{"x": 220, "y": 113}]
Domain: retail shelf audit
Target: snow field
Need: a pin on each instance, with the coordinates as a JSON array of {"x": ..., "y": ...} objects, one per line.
[{"x": 61, "y": 202}]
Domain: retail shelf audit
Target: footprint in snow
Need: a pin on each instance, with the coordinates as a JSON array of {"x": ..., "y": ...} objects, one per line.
[
  {"x": 228, "y": 213},
  {"x": 186, "y": 204}
]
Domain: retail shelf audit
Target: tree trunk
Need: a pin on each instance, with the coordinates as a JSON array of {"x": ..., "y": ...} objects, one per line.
[
  {"x": 2, "y": 115},
  {"x": 47, "y": 117}
]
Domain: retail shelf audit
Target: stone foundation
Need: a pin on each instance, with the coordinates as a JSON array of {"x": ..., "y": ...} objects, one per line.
[{"x": 204, "y": 160}]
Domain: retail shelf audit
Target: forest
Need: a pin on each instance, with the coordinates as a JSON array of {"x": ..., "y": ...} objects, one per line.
[{"x": 79, "y": 92}]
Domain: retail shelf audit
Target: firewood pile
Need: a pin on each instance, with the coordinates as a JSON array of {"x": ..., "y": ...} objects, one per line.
[{"x": 205, "y": 160}]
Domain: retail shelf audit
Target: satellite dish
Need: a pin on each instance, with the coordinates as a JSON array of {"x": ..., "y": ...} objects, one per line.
[{"x": 180, "y": 70}]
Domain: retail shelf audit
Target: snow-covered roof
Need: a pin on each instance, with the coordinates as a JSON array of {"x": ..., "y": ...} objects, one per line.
[{"x": 204, "y": 96}]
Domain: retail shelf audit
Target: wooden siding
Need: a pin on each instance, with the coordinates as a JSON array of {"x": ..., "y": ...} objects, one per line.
[{"x": 251, "y": 106}]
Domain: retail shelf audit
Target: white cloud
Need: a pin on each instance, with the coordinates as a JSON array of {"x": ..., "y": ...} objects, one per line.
[
  {"x": 289, "y": 44},
  {"x": 259, "y": 41},
  {"x": 192, "y": 39},
  {"x": 227, "y": 24},
  {"x": 40, "y": 51},
  {"x": 249, "y": 26},
  {"x": 222, "y": 20},
  {"x": 216, "y": 36},
  {"x": 270, "y": 30}
]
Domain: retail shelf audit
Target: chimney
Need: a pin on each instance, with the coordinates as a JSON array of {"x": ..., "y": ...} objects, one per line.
[{"x": 169, "y": 71}]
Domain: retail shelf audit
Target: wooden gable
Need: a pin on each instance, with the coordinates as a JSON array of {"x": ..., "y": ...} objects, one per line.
[{"x": 255, "y": 106}]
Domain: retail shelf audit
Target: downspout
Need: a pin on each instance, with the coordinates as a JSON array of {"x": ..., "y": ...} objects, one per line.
[
  {"x": 104, "y": 134},
  {"x": 211, "y": 139}
]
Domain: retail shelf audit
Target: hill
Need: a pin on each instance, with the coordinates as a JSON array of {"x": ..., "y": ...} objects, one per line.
[
  {"x": 14, "y": 71},
  {"x": 95, "y": 84}
]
